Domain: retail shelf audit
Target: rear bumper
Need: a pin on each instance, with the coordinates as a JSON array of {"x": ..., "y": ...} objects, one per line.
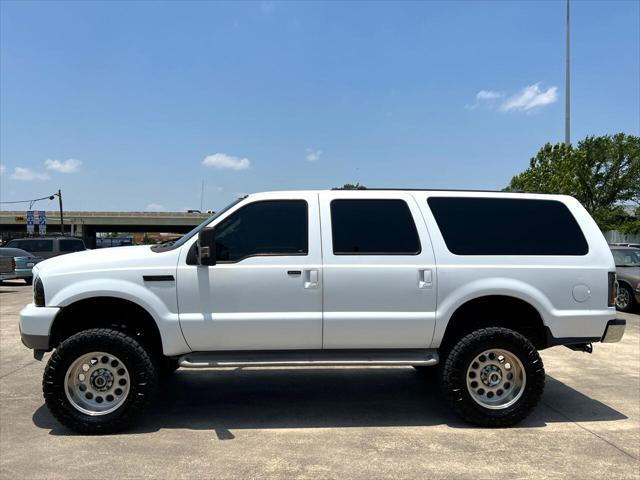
[
  {"x": 613, "y": 332},
  {"x": 7, "y": 276},
  {"x": 24, "y": 273}
]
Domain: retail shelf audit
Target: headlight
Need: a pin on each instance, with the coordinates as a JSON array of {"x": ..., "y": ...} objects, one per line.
[{"x": 38, "y": 293}]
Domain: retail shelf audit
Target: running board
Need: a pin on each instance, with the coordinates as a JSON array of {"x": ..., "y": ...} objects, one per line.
[{"x": 295, "y": 358}]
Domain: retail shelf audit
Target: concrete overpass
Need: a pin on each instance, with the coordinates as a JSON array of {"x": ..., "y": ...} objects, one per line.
[{"x": 87, "y": 224}]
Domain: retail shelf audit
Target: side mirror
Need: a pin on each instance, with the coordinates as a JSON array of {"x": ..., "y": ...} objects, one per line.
[{"x": 206, "y": 247}]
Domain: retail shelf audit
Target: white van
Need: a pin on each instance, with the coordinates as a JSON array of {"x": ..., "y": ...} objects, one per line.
[{"x": 473, "y": 282}]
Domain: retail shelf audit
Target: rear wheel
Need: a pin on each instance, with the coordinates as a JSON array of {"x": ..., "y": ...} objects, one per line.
[
  {"x": 28, "y": 281},
  {"x": 493, "y": 377},
  {"x": 98, "y": 380}
]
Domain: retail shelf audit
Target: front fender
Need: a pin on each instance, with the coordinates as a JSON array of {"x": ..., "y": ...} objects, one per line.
[{"x": 159, "y": 301}]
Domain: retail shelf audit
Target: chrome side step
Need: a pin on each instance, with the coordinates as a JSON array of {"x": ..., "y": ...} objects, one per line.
[{"x": 296, "y": 358}]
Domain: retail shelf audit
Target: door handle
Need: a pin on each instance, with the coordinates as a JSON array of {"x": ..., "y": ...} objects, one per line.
[
  {"x": 294, "y": 272},
  {"x": 311, "y": 279},
  {"x": 425, "y": 278}
]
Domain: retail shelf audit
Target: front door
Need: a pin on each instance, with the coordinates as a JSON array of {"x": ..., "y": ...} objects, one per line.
[{"x": 265, "y": 291}]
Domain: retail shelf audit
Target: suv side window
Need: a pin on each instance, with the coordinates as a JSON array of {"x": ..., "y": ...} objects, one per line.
[
  {"x": 34, "y": 245},
  {"x": 71, "y": 245},
  {"x": 271, "y": 227},
  {"x": 373, "y": 227},
  {"x": 507, "y": 226}
]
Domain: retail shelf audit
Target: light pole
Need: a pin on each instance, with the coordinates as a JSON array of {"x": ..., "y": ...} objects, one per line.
[
  {"x": 59, "y": 195},
  {"x": 567, "y": 106}
]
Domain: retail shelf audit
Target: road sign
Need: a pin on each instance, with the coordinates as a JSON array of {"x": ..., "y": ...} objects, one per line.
[
  {"x": 30, "y": 223},
  {"x": 42, "y": 222}
]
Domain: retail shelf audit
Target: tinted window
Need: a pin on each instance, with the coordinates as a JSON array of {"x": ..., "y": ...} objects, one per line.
[
  {"x": 71, "y": 245},
  {"x": 373, "y": 227},
  {"x": 506, "y": 226},
  {"x": 278, "y": 227},
  {"x": 13, "y": 252},
  {"x": 34, "y": 245}
]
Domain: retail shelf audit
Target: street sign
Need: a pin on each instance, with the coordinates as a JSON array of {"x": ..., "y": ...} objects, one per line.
[
  {"x": 30, "y": 223},
  {"x": 42, "y": 222}
]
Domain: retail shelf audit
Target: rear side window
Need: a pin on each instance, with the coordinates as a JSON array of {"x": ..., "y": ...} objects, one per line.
[
  {"x": 32, "y": 245},
  {"x": 274, "y": 227},
  {"x": 507, "y": 226},
  {"x": 71, "y": 245},
  {"x": 373, "y": 227}
]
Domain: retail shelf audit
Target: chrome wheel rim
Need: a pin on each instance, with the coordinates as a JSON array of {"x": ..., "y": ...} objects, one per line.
[
  {"x": 97, "y": 383},
  {"x": 623, "y": 298},
  {"x": 496, "y": 379}
]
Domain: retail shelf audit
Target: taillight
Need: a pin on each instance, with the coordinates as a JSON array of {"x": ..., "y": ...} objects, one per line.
[
  {"x": 613, "y": 289},
  {"x": 13, "y": 263}
]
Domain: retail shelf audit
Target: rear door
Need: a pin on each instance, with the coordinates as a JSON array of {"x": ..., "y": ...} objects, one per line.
[{"x": 378, "y": 270}]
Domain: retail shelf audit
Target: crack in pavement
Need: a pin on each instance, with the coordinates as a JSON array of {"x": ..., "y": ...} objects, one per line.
[
  {"x": 631, "y": 455},
  {"x": 17, "y": 369}
]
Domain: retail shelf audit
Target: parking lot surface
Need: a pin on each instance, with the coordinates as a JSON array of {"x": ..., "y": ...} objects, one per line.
[{"x": 369, "y": 423}]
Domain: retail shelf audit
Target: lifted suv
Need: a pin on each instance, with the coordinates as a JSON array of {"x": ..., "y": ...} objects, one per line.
[{"x": 475, "y": 283}]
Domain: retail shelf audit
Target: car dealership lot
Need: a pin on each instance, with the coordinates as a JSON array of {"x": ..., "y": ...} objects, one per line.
[{"x": 328, "y": 422}]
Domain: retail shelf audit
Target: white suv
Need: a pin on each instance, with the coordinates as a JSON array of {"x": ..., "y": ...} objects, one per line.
[{"x": 474, "y": 282}]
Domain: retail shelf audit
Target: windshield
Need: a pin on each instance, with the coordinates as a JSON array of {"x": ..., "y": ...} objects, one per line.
[
  {"x": 185, "y": 238},
  {"x": 627, "y": 258}
]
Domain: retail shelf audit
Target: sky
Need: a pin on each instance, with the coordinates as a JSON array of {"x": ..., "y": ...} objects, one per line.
[{"x": 132, "y": 105}]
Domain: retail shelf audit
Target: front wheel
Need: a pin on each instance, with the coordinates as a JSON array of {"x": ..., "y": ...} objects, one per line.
[
  {"x": 493, "y": 377},
  {"x": 98, "y": 380}
]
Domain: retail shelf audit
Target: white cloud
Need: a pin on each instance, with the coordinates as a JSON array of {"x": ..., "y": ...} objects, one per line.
[
  {"x": 224, "y": 161},
  {"x": 488, "y": 95},
  {"x": 2, "y": 169},
  {"x": 70, "y": 165},
  {"x": 155, "y": 207},
  {"x": 27, "y": 175},
  {"x": 313, "y": 155},
  {"x": 530, "y": 97}
]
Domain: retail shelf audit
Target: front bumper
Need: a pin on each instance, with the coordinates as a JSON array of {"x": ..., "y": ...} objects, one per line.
[{"x": 35, "y": 326}]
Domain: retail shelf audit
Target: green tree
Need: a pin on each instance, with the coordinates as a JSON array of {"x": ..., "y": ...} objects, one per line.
[
  {"x": 352, "y": 186},
  {"x": 603, "y": 173}
]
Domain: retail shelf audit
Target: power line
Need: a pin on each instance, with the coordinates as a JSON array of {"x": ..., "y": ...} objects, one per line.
[{"x": 48, "y": 197}]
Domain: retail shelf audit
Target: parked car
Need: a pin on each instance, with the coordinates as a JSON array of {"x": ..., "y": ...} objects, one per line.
[
  {"x": 24, "y": 262},
  {"x": 628, "y": 275},
  {"x": 477, "y": 282},
  {"x": 47, "y": 247},
  {"x": 7, "y": 268}
]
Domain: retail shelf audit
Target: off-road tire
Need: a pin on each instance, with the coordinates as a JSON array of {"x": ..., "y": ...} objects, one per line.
[
  {"x": 461, "y": 355},
  {"x": 141, "y": 369}
]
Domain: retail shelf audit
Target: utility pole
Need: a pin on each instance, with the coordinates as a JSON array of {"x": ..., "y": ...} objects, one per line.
[
  {"x": 59, "y": 194},
  {"x": 201, "y": 194},
  {"x": 567, "y": 106}
]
